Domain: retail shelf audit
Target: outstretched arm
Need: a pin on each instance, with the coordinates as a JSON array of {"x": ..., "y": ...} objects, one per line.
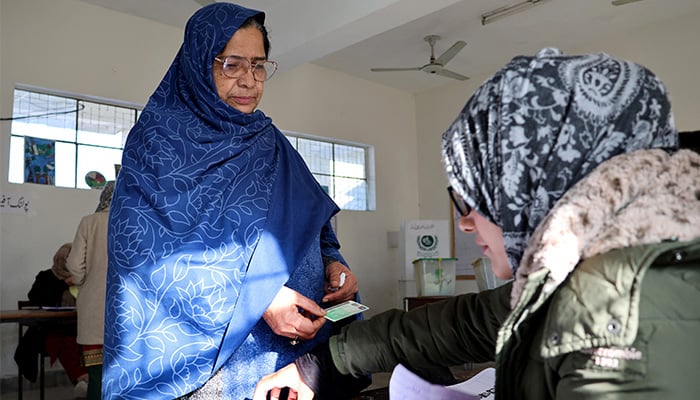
[{"x": 436, "y": 335}]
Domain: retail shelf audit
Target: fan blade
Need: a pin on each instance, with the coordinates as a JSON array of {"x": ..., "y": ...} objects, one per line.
[
  {"x": 450, "y": 74},
  {"x": 450, "y": 53},
  {"x": 394, "y": 69},
  {"x": 622, "y": 2}
]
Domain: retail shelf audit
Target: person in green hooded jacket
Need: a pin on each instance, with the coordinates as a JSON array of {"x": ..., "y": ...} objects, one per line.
[{"x": 567, "y": 170}]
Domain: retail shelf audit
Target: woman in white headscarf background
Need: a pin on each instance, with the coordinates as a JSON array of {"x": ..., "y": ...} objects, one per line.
[
  {"x": 566, "y": 168},
  {"x": 87, "y": 264}
]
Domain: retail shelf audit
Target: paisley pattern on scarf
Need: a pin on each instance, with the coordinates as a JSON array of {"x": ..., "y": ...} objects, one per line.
[
  {"x": 541, "y": 124},
  {"x": 212, "y": 212}
]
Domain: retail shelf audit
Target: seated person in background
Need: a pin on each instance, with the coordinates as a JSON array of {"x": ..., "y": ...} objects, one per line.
[
  {"x": 566, "y": 168},
  {"x": 51, "y": 288}
]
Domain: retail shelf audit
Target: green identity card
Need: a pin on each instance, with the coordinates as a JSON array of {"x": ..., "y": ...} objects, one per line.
[{"x": 344, "y": 310}]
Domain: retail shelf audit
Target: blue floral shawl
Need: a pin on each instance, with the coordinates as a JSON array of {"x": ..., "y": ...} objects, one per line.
[{"x": 212, "y": 212}]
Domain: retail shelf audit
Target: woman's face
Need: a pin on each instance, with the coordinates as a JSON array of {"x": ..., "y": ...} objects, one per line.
[
  {"x": 242, "y": 93},
  {"x": 490, "y": 237}
]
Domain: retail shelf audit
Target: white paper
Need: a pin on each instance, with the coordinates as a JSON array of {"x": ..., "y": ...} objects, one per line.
[
  {"x": 406, "y": 385},
  {"x": 481, "y": 385}
]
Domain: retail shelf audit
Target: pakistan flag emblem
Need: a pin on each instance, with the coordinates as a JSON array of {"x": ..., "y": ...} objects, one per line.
[{"x": 427, "y": 242}]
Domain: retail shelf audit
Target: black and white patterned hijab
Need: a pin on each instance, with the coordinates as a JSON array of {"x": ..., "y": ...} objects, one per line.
[{"x": 541, "y": 124}]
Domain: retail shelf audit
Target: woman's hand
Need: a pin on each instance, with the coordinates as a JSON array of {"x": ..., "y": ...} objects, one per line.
[
  {"x": 286, "y": 377},
  {"x": 294, "y": 315},
  {"x": 339, "y": 290}
]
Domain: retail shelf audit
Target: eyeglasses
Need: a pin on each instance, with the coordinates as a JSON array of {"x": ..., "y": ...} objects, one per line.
[
  {"x": 460, "y": 205},
  {"x": 235, "y": 67}
]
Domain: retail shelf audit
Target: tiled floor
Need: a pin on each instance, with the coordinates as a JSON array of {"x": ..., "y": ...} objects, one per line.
[
  {"x": 51, "y": 393},
  {"x": 57, "y": 387}
]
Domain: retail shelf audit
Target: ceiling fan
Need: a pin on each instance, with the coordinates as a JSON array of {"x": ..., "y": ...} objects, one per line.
[{"x": 436, "y": 65}]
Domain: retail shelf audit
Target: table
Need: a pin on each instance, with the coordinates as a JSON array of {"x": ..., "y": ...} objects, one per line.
[
  {"x": 35, "y": 316},
  {"x": 28, "y": 316}
]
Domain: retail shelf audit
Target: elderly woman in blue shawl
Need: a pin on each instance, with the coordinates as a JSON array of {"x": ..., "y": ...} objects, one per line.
[{"x": 220, "y": 246}]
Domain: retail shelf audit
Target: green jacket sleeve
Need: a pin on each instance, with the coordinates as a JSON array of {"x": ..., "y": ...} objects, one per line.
[{"x": 455, "y": 331}]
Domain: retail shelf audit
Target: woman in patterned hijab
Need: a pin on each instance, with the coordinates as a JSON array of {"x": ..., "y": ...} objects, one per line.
[
  {"x": 541, "y": 124},
  {"x": 575, "y": 160}
]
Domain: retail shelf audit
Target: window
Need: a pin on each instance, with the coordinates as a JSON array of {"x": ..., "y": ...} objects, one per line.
[
  {"x": 71, "y": 137},
  {"x": 84, "y": 135},
  {"x": 344, "y": 169}
]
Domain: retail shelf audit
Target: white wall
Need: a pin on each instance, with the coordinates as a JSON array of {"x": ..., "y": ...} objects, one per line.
[
  {"x": 74, "y": 47},
  {"x": 671, "y": 50}
]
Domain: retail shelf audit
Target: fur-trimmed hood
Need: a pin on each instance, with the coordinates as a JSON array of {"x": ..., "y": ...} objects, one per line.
[{"x": 642, "y": 197}]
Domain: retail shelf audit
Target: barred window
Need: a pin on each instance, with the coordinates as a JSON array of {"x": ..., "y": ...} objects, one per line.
[
  {"x": 66, "y": 141},
  {"x": 344, "y": 170}
]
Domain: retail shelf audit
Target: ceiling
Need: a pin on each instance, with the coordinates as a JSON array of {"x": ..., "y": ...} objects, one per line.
[{"x": 353, "y": 36}]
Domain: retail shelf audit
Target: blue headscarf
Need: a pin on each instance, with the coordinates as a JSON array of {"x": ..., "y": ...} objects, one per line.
[{"x": 212, "y": 212}]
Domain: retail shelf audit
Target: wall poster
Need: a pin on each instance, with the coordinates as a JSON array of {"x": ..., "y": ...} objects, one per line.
[{"x": 39, "y": 161}]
